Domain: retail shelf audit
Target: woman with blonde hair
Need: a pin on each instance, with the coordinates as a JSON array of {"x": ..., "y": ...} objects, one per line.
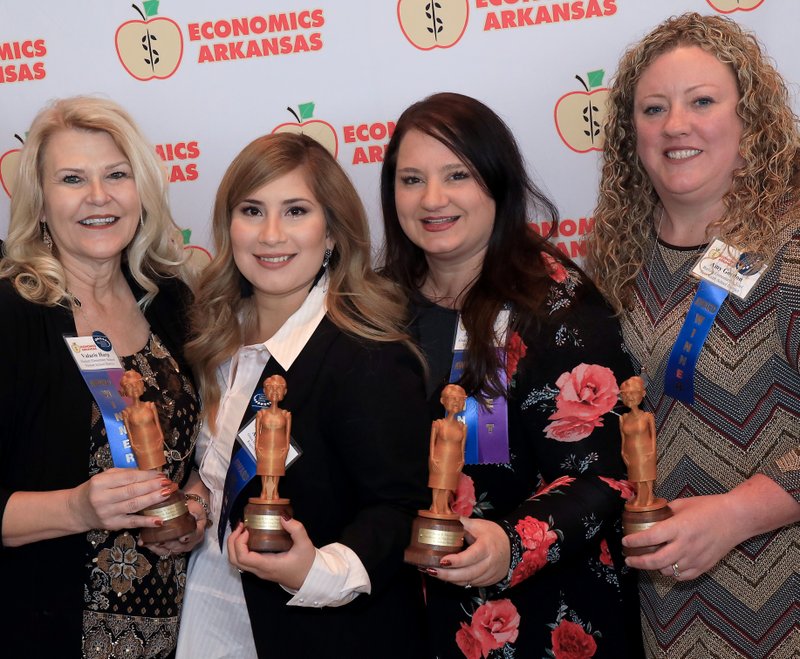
[
  {"x": 291, "y": 293},
  {"x": 89, "y": 255},
  {"x": 697, "y": 246}
]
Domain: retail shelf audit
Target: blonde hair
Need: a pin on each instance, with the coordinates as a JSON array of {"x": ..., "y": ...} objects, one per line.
[
  {"x": 35, "y": 271},
  {"x": 758, "y": 197},
  {"x": 359, "y": 302}
]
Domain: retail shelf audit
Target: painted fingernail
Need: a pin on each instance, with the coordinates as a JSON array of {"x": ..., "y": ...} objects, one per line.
[
  {"x": 432, "y": 571},
  {"x": 285, "y": 517},
  {"x": 166, "y": 482},
  {"x": 166, "y": 491},
  {"x": 159, "y": 522},
  {"x": 445, "y": 563}
]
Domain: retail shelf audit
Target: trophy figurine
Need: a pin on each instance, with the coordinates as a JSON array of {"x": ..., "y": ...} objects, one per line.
[
  {"x": 262, "y": 515},
  {"x": 638, "y": 430},
  {"x": 147, "y": 442},
  {"x": 437, "y": 532}
]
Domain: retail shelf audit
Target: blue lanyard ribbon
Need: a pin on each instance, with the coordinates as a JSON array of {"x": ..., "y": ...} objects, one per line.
[
  {"x": 103, "y": 384},
  {"x": 679, "y": 376},
  {"x": 242, "y": 468}
]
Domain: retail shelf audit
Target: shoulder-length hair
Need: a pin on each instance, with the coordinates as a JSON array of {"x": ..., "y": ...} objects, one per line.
[
  {"x": 623, "y": 231},
  {"x": 358, "y": 300},
  {"x": 36, "y": 272},
  {"x": 512, "y": 270}
]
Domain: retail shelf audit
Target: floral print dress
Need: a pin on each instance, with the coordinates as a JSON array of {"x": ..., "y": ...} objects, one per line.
[
  {"x": 568, "y": 593},
  {"x": 132, "y": 597}
]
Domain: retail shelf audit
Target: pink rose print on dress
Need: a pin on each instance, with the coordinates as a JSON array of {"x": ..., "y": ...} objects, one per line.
[
  {"x": 585, "y": 394},
  {"x": 624, "y": 488},
  {"x": 570, "y": 641},
  {"x": 467, "y": 643},
  {"x": 494, "y": 624},
  {"x": 463, "y": 500},
  {"x": 515, "y": 350},
  {"x": 558, "y": 273},
  {"x": 537, "y": 537}
]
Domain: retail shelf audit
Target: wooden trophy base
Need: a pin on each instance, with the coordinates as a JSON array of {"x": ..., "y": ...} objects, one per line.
[
  {"x": 262, "y": 518},
  {"x": 178, "y": 521},
  {"x": 640, "y": 519},
  {"x": 432, "y": 537}
]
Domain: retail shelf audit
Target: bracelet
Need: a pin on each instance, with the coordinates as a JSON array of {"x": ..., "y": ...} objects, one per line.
[{"x": 202, "y": 502}]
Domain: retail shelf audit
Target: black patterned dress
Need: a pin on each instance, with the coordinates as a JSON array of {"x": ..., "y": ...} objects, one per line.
[
  {"x": 132, "y": 597},
  {"x": 568, "y": 593}
]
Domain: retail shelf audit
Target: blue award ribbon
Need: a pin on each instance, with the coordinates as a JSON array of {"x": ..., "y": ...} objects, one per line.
[
  {"x": 242, "y": 468},
  {"x": 103, "y": 384},
  {"x": 487, "y": 427},
  {"x": 679, "y": 376}
]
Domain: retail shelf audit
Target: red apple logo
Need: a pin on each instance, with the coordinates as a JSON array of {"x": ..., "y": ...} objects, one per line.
[
  {"x": 429, "y": 24},
  {"x": 317, "y": 129},
  {"x": 580, "y": 116},
  {"x": 730, "y": 6},
  {"x": 199, "y": 257},
  {"x": 151, "y": 47},
  {"x": 9, "y": 167}
]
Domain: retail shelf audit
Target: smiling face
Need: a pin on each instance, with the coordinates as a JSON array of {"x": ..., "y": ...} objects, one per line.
[
  {"x": 687, "y": 128},
  {"x": 279, "y": 237},
  {"x": 91, "y": 203},
  {"x": 442, "y": 208}
]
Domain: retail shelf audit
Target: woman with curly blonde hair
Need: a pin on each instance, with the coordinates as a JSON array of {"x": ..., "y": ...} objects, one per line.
[
  {"x": 697, "y": 245},
  {"x": 291, "y": 292}
]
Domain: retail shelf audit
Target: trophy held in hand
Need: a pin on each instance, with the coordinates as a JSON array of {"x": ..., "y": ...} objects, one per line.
[
  {"x": 438, "y": 532},
  {"x": 638, "y": 430},
  {"x": 147, "y": 442},
  {"x": 262, "y": 515}
]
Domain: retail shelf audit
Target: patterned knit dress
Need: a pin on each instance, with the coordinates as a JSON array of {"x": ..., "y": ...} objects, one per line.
[{"x": 745, "y": 419}]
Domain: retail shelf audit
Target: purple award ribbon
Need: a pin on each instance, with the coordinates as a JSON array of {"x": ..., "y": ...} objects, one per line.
[{"x": 487, "y": 425}]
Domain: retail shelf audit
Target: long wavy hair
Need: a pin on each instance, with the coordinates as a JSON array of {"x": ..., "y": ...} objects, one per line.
[
  {"x": 36, "y": 272},
  {"x": 512, "y": 270},
  {"x": 759, "y": 193},
  {"x": 359, "y": 302}
]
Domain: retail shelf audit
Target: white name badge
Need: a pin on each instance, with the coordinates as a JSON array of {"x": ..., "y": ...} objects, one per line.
[
  {"x": 500, "y": 331},
  {"x": 92, "y": 353},
  {"x": 247, "y": 436},
  {"x": 725, "y": 266}
]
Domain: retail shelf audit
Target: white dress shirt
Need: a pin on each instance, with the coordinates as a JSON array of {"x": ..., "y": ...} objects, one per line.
[{"x": 214, "y": 622}]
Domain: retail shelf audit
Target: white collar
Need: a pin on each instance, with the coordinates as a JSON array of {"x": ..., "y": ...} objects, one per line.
[{"x": 288, "y": 342}]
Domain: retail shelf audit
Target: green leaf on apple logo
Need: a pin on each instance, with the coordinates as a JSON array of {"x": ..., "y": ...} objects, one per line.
[
  {"x": 150, "y": 7},
  {"x": 595, "y": 78},
  {"x": 306, "y": 110}
]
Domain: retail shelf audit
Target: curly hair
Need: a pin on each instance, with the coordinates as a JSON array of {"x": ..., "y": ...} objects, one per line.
[
  {"x": 36, "y": 272},
  {"x": 623, "y": 232},
  {"x": 512, "y": 270},
  {"x": 358, "y": 301}
]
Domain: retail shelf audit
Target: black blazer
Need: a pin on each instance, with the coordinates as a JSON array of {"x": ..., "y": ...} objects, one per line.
[{"x": 360, "y": 418}]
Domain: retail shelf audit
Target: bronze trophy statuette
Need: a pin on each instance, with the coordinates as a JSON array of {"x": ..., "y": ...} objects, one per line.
[
  {"x": 147, "y": 442},
  {"x": 638, "y": 430},
  {"x": 262, "y": 515},
  {"x": 438, "y": 532}
]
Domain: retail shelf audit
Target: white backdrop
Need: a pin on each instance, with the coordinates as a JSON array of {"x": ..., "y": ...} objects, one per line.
[{"x": 204, "y": 77}]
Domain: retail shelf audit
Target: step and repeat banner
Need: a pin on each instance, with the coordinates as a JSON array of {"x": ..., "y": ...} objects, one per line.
[{"x": 203, "y": 78}]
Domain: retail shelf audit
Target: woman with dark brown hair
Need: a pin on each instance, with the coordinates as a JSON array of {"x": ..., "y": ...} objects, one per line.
[{"x": 498, "y": 310}]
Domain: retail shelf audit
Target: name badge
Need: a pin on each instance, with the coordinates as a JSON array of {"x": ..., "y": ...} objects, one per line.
[
  {"x": 729, "y": 268},
  {"x": 102, "y": 371}
]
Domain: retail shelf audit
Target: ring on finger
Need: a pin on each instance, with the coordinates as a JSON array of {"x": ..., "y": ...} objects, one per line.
[
  {"x": 469, "y": 585},
  {"x": 675, "y": 571}
]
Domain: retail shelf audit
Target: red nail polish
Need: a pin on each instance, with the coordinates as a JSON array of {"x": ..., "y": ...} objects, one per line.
[
  {"x": 432, "y": 571},
  {"x": 285, "y": 517},
  {"x": 159, "y": 522},
  {"x": 166, "y": 492},
  {"x": 445, "y": 563}
]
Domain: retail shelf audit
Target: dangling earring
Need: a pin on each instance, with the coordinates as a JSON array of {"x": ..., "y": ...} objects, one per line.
[
  {"x": 47, "y": 239},
  {"x": 326, "y": 258}
]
